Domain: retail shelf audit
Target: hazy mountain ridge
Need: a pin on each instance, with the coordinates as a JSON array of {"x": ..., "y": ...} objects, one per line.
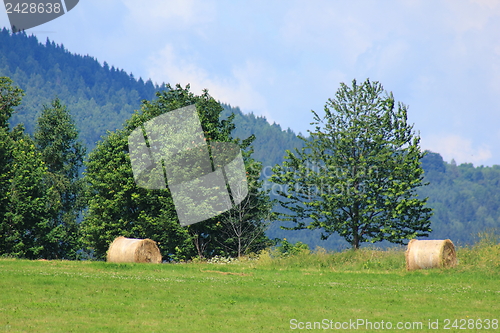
[{"x": 99, "y": 97}]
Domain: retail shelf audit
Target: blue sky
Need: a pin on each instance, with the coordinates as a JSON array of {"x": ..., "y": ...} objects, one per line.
[{"x": 280, "y": 59}]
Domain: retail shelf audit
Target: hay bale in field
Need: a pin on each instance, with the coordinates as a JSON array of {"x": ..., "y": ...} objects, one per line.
[
  {"x": 133, "y": 250},
  {"x": 424, "y": 254}
]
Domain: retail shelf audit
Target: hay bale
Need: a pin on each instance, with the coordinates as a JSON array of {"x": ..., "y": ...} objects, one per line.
[
  {"x": 133, "y": 250},
  {"x": 424, "y": 254}
]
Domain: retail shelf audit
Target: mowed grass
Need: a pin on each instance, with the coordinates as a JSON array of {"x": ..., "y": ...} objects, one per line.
[{"x": 261, "y": 295}]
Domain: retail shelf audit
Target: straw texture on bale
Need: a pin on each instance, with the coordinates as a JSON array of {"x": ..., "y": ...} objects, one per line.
[
  {"x": 133, "y": 250},
  {"x": 424, "y": 254}
]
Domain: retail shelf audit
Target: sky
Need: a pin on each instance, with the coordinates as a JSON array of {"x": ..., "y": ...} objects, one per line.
[{"x": 282, "y": 59}]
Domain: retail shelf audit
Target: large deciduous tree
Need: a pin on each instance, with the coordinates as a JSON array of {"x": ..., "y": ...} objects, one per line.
[
  {"x": 118, "y": 207},
  {"x": 25, "y": 229},
  {"x": 358, "y": 172}
]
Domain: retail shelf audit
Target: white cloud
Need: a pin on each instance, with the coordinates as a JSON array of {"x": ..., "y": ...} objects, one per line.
[
  {"x": 471, "y": 15},
  {"x": 155, "y": 16},
  {"x": 455, "y": 147},
  {"x": 325, "y": 26},
  {"x": 237, "y": 89}
]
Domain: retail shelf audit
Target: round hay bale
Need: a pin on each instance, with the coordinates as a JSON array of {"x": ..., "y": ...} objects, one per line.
[
  {"x": 424, "y": 254},
  {"x": 133, "y": 250}
]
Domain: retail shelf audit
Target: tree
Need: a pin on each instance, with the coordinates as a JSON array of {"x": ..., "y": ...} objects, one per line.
[
  {"x": 26, "y": 196},
  {"x": 56, "y": 137},
  {"x": 244, "y": 226},
  {"x": 358, "y": 172},
  {"x": 25, "y": 230},
  {"x": 10, "y": 97},
  {"x": 118, "y": 207}
]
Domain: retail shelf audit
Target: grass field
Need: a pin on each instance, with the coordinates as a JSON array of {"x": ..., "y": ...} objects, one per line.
[{"x": 262, "y": 295}]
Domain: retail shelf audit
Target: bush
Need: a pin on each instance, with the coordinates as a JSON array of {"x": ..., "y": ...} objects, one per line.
[{"x": 288, "y": 249}]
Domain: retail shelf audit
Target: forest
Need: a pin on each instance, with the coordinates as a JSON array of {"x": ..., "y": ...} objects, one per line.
[{"x": 99, "y": 98}]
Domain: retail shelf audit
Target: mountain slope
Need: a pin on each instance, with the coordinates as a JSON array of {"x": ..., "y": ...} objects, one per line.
[{"x": 99, "y": 97}]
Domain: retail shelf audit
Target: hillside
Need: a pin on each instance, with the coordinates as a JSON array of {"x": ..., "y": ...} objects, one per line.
[{"x": 101, "y": 97}]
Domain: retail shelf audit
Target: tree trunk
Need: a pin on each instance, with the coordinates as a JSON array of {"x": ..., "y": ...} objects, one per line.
[
  {"x": 239, "y": 247},
  {"x": 355, "y": 238},
  {"x": 355, "y": 227}
]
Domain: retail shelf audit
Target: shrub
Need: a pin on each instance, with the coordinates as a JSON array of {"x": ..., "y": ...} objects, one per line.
[{"x": 288, "y": 249}]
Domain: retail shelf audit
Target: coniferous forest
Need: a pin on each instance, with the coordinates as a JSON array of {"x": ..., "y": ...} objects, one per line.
[{"x": 49, "y": 209}]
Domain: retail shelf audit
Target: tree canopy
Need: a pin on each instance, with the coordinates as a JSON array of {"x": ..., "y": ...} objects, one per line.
[{"x": 358, "y": 172}]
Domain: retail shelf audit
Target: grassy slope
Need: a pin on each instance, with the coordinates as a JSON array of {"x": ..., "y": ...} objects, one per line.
[{"x": 251, "y": 296}]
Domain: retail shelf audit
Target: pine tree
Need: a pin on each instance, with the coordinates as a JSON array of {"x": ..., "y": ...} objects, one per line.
[{"x": 56, "y": 137}]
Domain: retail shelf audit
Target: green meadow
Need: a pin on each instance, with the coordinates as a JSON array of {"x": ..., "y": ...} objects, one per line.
[{"x": 364, "y": 291}]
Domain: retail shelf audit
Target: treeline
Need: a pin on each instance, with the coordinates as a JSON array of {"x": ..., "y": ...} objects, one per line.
[
  {"x": 101, "y": 98},
  {"x": 465, "y": 199},
  {"x": 40, "y": 190},
  {"x": 42, "y": 193}
]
